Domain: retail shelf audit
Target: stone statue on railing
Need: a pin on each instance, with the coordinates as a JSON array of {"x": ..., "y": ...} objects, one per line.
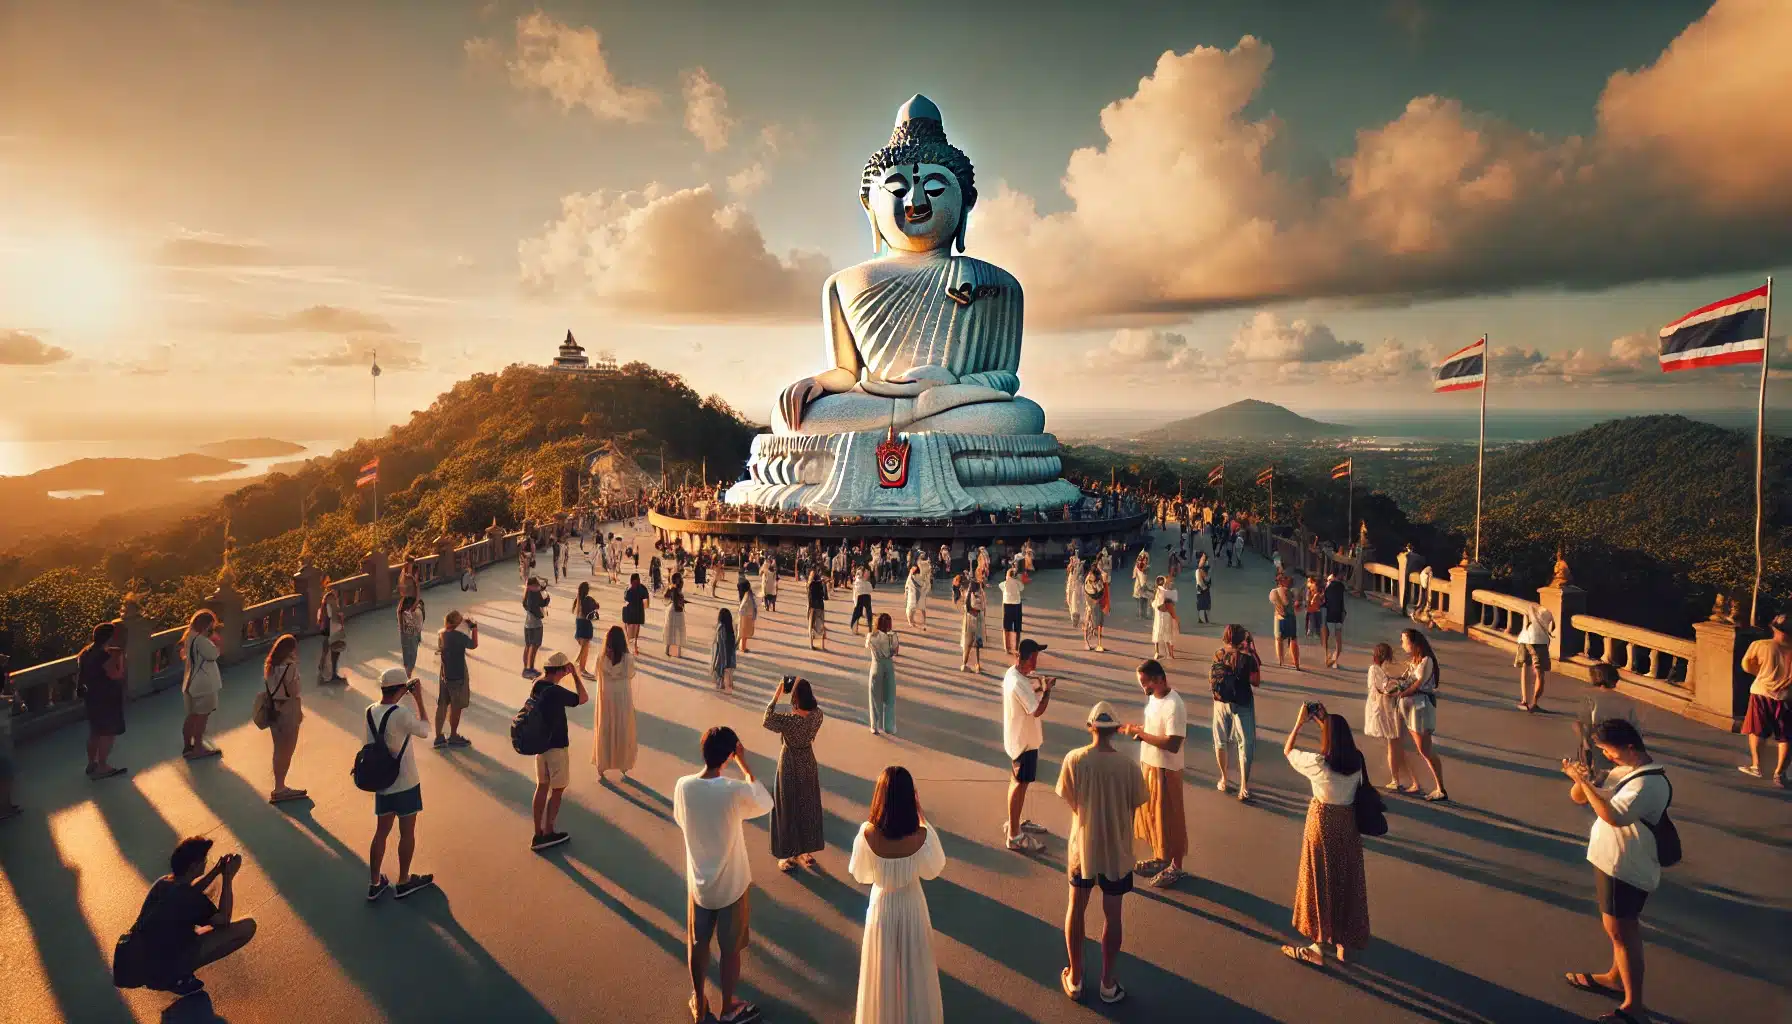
[
  {"x": 1562, "y": 576},
  {"x": 1723, "y": 610},
  {"x": 918, "y": 411}
]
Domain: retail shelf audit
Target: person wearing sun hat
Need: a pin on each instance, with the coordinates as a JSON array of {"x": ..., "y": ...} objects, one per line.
[
  {"x": 1104, "y": 789},
  {"x": 402, "y": 801}
]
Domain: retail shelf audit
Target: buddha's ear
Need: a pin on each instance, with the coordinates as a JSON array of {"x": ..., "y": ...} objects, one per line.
[
  {"x": 964, "y": 219},
  {"x": 877, "y": 239}
]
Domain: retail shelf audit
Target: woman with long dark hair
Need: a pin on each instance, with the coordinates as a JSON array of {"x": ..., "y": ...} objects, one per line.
[
  {"x": 613, "y": 744},
  {"x": 673, "y": 627},
  {"x": 584, "y": 615},
  {"x": 1331, "y": 899},
  {"x": 100, "y": 667},
  {"x": 747, "y": 612},
  {"x": 796, "y": 806},
  {"x": 899, "y": 980},
  {"x": 410, "y": 631},
  {"x": 721, "y": 653},
  {"x": 280, "y": 677},
  {"x": 1418, "y": 704}
]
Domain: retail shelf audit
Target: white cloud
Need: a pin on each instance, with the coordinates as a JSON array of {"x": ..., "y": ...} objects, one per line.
[
  {"x": 672, "y": 254},
  {"x": 1266, "y": 338},
  {"x": 1187, "y": 206},
  {"x": 706, "y": 110},
  {"x": 568, "y": 64},
  {"x": 320, "y": 319},
  {"x": 748, "y": 179},
  {"x": 363, "y": 349},
  {"x": 1135, "y": 348},
  {"x": 21, "y": 348}
]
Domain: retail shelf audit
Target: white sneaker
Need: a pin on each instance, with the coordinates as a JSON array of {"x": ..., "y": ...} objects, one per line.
[{"x": 1024, "y": 843}]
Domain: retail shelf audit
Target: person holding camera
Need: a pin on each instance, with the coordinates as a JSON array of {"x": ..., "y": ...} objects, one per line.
[
  {"x": 179, "y": 929},
  {"x": 401, "y": 801},
  {"x": 1331, "y": 898},
  {"x": 1233, "y": 677},
  {"x": 796, "y": 807},
  {"x": 710, "y": 810},
  {"x": 535, "y": 609},
  {"x": 553, "y": 766},
  {"x": 1025, "y": 696}
]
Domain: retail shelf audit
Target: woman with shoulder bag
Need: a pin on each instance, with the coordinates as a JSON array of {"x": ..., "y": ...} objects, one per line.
[
  {"x": 1631, "y": 840},
  {"x": 1331, "y": 899},
  {"x": 200, "y": 683},
  {"x": 277, "y": 709}
]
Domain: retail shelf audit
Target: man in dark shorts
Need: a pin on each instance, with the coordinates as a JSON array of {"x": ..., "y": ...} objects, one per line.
[
  {"x": 1103, "y": 788},
  {"x": 180, "y": 929},
  {"x": 455, "y": 690},
  {"x": 1331, "y": 631},
  {"x": 1024, "y": 700}
]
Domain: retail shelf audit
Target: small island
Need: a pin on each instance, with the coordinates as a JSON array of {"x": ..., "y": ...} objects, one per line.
[{"x": 250, "y": 448}]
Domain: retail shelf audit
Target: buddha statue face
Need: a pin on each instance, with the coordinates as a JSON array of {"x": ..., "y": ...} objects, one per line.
[{"x": 916, "y": 207}]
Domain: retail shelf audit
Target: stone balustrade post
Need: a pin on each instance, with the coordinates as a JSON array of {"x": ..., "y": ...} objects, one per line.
[
  {"x": 1719, "y": 687},
  {"x": 494, "y": 542},
  {"x": 308, "y": 583},
  {"x": 1364, "y": 555},
  {"x": 1564, "y": 602},
  {"x": 447, "y": 561},
  {"x": 377, "y": 566},
  {"x": 227, "y": 605},
  {"x": 1463, "y": 581},
  {"x": 1407, "y": 563},
  {"x": 135, "y": 632}
]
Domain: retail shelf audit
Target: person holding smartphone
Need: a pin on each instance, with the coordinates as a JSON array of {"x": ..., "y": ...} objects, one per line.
[
  {"x": 1025, "y": 696},
  {"x": 796, "y": 813},
  {"x": 710, "y": 810}
]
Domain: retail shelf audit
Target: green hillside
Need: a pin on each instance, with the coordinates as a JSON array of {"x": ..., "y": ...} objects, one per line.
[{"x": 453, "y": 468}]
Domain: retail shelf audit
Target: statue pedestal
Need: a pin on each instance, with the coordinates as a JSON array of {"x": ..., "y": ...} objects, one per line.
[{"x": 949, "y": 475}]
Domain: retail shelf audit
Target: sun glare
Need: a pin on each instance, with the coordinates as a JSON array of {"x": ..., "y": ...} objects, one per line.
[{"x": 69, "y": 282}]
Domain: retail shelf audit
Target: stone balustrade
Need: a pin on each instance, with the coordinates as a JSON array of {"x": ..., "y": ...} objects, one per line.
[
  {"x": 1499, "y": 618},
  {"x": 1381, "y": 582},
  {"x": 1641, "y": 656}
]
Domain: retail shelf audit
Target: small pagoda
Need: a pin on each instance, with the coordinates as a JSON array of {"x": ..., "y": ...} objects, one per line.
[{"x": 572, "y": 359}]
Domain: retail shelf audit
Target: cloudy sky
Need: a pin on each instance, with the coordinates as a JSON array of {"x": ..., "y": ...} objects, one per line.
[{"x": 226, "y": 208}]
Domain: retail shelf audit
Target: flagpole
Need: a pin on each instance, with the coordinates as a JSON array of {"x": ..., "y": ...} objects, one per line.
[
  {"x": 1349, "y": 499},
  {"x": 1481, "y": 444},
  {"x": 1754, "y": 605}
]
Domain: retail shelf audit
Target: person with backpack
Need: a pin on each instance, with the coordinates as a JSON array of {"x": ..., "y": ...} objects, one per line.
[
  {"x": 535, "y": 606},
  {"x": 180, "y": 929},
  {"x": 386, "y": 766},
  {"x": 1632, "y": 839},
  {"x": 1233, "y": 675},
  {"x": 540, "y": 729}
]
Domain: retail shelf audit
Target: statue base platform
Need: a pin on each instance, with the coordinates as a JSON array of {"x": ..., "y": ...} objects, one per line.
[{"x": 949, "y": 475}]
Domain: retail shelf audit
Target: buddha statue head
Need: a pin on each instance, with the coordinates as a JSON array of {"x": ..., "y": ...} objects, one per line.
[{"x": 919, "y": 189}]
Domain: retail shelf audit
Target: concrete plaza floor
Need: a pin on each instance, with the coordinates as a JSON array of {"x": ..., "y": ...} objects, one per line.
[{"x": 1478, "y": 905}]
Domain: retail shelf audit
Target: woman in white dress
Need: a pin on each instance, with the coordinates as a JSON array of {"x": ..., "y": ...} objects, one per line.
[
  {"x": 613, "y": 744},
  {"x": 1141, "y": 582},
  {"x": 914, "y": 594},
  {"x": 747, "y": 614},
  {"x": 1074, "y": 598},
  {"x": 1166, "y": 626},
  {"x": 1381, "y": 715},
  {"x": 899, "y": 981}
]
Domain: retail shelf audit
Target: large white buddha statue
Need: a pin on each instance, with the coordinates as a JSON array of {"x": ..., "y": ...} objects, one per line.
[{"x": 922, "y": 342}]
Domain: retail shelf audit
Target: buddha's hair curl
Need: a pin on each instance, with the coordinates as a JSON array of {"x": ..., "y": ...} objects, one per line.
[{"x": 920, "y": 140}]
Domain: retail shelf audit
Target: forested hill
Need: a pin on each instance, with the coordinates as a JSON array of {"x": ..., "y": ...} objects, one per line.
[
  {"x": 453, "y": 468},
  {"x": 1247, "y": 418},
  {"x": 1640, "y": 503}
]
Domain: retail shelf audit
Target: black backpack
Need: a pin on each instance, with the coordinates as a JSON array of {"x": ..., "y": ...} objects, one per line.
[
  {"x": 1667, "y": 837},
  {"x": 376, "y": 767},
  {"x": 1229, "y": 685},
  {"x": 529, "y": 729}
]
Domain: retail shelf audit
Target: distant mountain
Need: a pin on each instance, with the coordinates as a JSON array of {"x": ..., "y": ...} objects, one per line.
[
  {"x": 1249, "y": 419},
  {"x": 251, "y": 448}
]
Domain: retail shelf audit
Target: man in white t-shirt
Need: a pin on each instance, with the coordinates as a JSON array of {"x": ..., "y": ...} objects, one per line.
[
  {"x": 1024, "y": 700},
  {"x": 1161, "y": 821},
  {"x": 1622, "y": 848},
  {"x": 710, "y": 808},
  {"x": 402, "y": 801},
  {"x": 1011, "y": 609},
  {"x": 1533, "y": 655}
]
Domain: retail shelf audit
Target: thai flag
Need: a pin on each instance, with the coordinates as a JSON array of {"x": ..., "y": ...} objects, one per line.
[
  {"x": 1216, "y": 475},
  {"x": 1266, "y": 476},
  {"x": 528, "y": 480},
  {"x": 1463, "y": 370},
  {"x": 370, "y": 473},
  {"x": 1725, "y": 333},
  {"x": 1341, "y": 470}
]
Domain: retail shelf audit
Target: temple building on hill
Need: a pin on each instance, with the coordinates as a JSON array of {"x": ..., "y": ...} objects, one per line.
[{"x": 571, "y": 359}]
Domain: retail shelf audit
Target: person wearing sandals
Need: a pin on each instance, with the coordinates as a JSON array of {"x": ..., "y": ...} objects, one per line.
[
  {"x": 796, "y": 806},
  {"x": 1382, "y": 719},
  {"x": 200, "y": 684},
  {"x": 1024, "y": 700},
  {"x": 1235, "y": 673},
  {"x": 1769, "y": 716},
  {"x": 402, "y": 801},
  {"x": 710, "y": 810},
  {"x": 1628, "y": 809},
  {"x": 1104, "y": 790},
  {"x": 1160, "y": 820},
  {"x": 895, "y": 850},
  {"x": 102, "y": 674},
  {"x": 280, "y": 679},
  {"x": 1331, "y": 898},
  {"x": 1418, "y": 705}
]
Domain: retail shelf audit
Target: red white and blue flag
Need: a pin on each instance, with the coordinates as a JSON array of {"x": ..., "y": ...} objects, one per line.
[
  {"x": 1725, "y": 333},
  {"x": 528, "y": 480},
  {"x": 1463, "y": 370},
  {"x": 370, "y": 473},
  {"x": 1216, "y": 475}
]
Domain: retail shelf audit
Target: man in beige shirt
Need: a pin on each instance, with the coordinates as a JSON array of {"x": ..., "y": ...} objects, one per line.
[
  {"x": 1103, "y": 788},
  {"x": 1769, "y": 709}
]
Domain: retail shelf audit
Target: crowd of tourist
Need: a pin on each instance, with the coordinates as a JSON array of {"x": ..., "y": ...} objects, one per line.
[{"x": 1115, "y": 799}]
